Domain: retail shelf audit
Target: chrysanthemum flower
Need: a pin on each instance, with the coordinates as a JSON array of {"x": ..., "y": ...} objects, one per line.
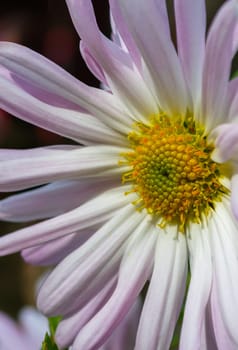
[
  {"x": 152, "y": 190},
  {"x": 26, "y": 334}
]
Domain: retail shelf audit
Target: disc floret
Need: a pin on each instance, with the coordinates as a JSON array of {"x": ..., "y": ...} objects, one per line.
[{"x": 172, "y": 171}]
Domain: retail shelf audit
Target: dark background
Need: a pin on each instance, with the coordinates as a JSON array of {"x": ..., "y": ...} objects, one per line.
[{"x": 44, "y": 26}]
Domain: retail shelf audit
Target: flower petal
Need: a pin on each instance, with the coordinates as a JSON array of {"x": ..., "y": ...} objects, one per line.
[
  {"x": 165, "y": 294},
  {"x": 218, "y": 57},
  {"x": 232, "y": 99},
  {"x": 73, "y": 275},
  {"x": 146, "y": 22},
  {"x": 69, "y": 327},
  {"x": 17, "y": 174},
  {"x": 51, "y": 200},
  {"x": 191, "y": 28},
  {"x": 226, "y": 142},
  {"x": 223, "y": 230},
  {"x": 134, "y": 271},
  {"x": 124, "y": 81},
  {"x": 199, "y": 287},
  {"x": 93, "y": 212},
  {"x": 37, "y": 71}
]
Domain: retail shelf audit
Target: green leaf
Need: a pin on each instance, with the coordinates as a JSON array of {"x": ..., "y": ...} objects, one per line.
[{"x": 48, "y": 343}]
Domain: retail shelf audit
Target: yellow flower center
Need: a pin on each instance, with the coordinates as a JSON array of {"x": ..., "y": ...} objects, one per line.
[{"x": 172, "y": 171}]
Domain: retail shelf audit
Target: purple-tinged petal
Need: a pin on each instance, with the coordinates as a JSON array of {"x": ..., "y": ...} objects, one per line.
[
  {"x": 35, "y": 70},
  {"x": 223, "y": 229},
  {"x": 123, "y": 80},
  {"x": 146, "y": 22},
  {"x": 51, "y": 200},
  {"x": 165, "y": 294},
  {"x": 218, "y": 57},
  {"x": 225, "y": 137},
  {"x": 199, "y": 287},
  {"x": 79, "y": 126},
  {"x": 75, "y": 273},
  {"x": 91, "y": 213},
  {"x": 54, "y": 251},
  {"x": 191, "y": 27},
  {"x": 58, "y": 165},
  {"x": 135, "y": 269},
  {"x": 232, "y": 95},
  {"x": 234, "y": 195},
  {"x": 69, "y": 327}
]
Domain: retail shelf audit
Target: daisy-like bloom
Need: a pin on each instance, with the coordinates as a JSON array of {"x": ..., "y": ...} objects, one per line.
[
  {"x": 27, "y": 334},
  {"x": 153, "y": 188}
]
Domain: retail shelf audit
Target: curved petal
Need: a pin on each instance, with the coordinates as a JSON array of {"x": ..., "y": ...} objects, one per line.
[
  {"x": 71, "y": 123},
  {"x": 51, "y": 200},
  {"x": 134, "y": 271},
  {"x": 232, "y": 96},
  {"x": 224, "y": 252},
  {"x": 17, "y": 174},
  {"x": 191, "y": 27},
  {"x": 165, "y": 294},
  {"x": 74, "y": 274},
  {"x": 226, "y": 142},
  {"x": 124, "y": 81},
  {"x": 52, "y": 252},
  {"x": 39, "y": 72},
  {"x": 93, "y": 212},
  {"x": 69, "y": 327},
  {"x": 146, "y": 22},
  {"x": 218, "y": 57},
  {"x": 199, "y": 287}
]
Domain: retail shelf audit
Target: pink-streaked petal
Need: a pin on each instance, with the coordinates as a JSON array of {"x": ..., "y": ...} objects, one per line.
[
  {"x": 134, "y": 271},
  {"x": 223, "y": 229},
  {"x": 28, "y": 66},
  {"x": 191, "y": 27},
  {"x": 125, "y": 334},
  {"x": 56, "y": 250},
  {"x": 93, "y": 212},
  {"x": 69, "y": 327},
  {"x": 234, "y": 195},
  {"x": 59, "y": 165},
  {"x": 232, "y": 95},
  {"x": 51, "y": 200},
  {"x": 146, "y": 22},
  {"x": 199, "y": 287},
  {"x": 124, "y": 81},
  {"x": 73, "y": 124},
  {"x": 165, "y": 294},
  {"x": 75, "y": 273},
  {"x": 121, "y": 29},
  {"x": 218, "y": 57},
  {"x": 226, "y": 142}
]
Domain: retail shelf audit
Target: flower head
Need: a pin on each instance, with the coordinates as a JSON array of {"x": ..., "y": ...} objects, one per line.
[{"x": 152, "y": 189}]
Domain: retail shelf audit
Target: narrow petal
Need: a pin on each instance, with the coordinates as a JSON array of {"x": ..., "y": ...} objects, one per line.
[
  {"x": 134, "y": 271},
  {"x": 35, "y": 70},
  {"x": 223, "y": 229},
  {"x": 232, "y": 96},
  {"x": 165, "y": 294},
  {"x": 234, "y": 197},
  {"x": 226, "y": 142},
  {"x": 74, "y": 274},
  {"x": 199, "y": 287},
  {"x": 93, "y": 212},
  {"x": 218, "y": 57},
  {"x": 52, "y": 252},
  {"x": 71, "y": 123},
  {"x": 69, "y": 327},
  {"x": 191, "y": 28},
  {"x": 146, "y": 22},
  {"x": 51, "y": 200},
  {"x": 58, "y": 165},
  {"x": 123, "y": 80}
]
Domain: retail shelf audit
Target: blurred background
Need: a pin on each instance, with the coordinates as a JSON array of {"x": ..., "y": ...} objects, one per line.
[{"x": 44, "y": 26}]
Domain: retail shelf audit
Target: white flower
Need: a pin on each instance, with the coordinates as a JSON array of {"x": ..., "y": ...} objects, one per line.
[{"x": 149, "y": 192}]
